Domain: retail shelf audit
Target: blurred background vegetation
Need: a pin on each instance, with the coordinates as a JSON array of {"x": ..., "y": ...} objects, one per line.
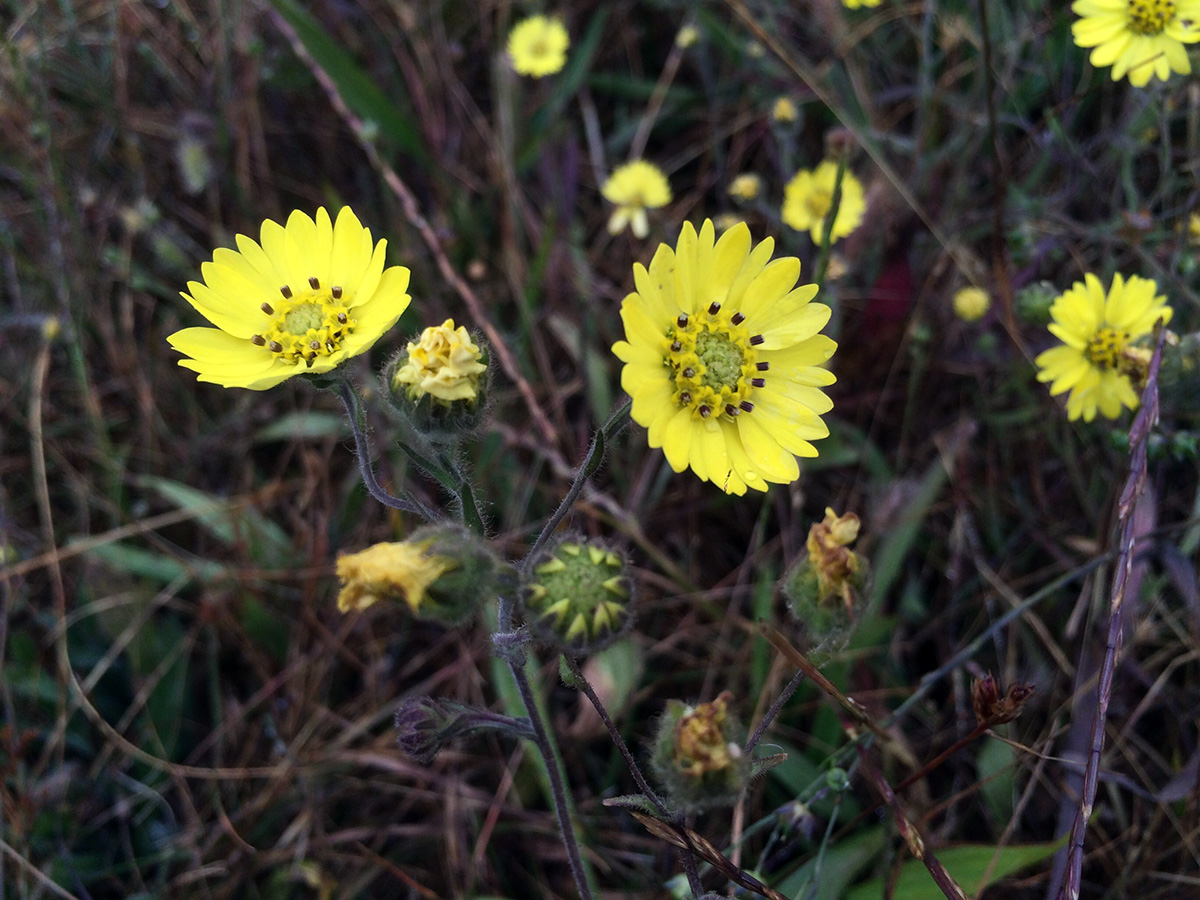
[{"x": 185, "y": 714}]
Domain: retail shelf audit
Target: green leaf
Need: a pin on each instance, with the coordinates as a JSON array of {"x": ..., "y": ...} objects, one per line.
[
  {"x": 360, "y": 92},
  {"x": 301, "y": 426},
  {"x": 969, "y": 864},
  {"x": 155, "y": 566},
  {"x": 840, "y": 865}
]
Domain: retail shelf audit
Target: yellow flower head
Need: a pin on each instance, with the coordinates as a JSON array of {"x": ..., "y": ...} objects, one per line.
[
  {"x": 784, "y": 110},
  {"x": 855, "y": 4},
  {"x": 1193, "y": 228},
  {"x": 635, "y": 187},
  {"x": 808, "y": 196},
  {"x": 745, "y": 187},
  {"x": 971, "y": 304},
  {"x": 444, "y": 363},
  {"x": 1138, "y": 38},
  {"x": 1097, "y": 362},
  {"x": 687, "y": 36},
  {"x": 723, "y": 359},
  {"x": 389, "y": 571},
  {"x": 538, "y": 46},
  {"x": 310, "y": 296}
]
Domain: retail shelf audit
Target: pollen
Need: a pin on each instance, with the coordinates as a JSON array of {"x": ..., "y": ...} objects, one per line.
[
  {"x": 1150, "y": 17},
  {"x": 307, "y": 324}
]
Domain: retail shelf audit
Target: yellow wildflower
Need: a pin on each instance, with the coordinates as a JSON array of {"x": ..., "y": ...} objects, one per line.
[
  {"x": 723, "y": 359},
  {"x": 809, "y": 195},
  {"x": 312, "y": 295},
  {"x": 745, "y": 187},
  {"x": 971, "y": 304},
  {"x": 784, "y": 110},
  {"x": 389, "y": 571},
  {"x": 1097, "y": 361},
  {"x": 1138, "y": 38},
  {"x": 538, "y": 46},
  {"x": 635, "y": 187},
  {"x": 855, "y": 4},
  {"x": 444, "y": 363},
  {"x": 687, "y": 36}
]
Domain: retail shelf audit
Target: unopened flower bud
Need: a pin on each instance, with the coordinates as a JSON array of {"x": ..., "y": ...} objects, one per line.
[
  {"x": 698, "y": 755},
  {"x": 577, "y": 599},
  {"x": 825, "y": 588},
  {"x": 443, "y": 573},
  {"x": 424, "y": 725},
  {"x": 439, "y": 382}
]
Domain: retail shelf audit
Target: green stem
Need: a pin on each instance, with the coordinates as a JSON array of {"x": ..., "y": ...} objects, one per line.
[
  {"x": 830, "y": 217},
  {"x": 511, "y": 647}
]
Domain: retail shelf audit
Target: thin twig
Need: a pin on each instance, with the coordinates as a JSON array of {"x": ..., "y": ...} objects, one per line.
[
  {"x": 1139, "y": 434},
  {"x": 412, "y": 213},
  {"x": 773, "y": 711}
]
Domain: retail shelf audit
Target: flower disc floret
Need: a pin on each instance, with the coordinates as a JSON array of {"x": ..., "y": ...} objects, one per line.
[
  {"x": 808, "y": 197},
  {"x": 1140, "y": 39},
  {"x": 635, "y": 187},
  {"x": 1098, "y": 361},
  {"x": 308, "y": 297},
  {"x": 538, "y": 46},
  {"x": 723, "y": 359}
]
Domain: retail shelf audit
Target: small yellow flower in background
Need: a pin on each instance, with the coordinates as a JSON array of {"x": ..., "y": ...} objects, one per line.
[
  {"x": 1138, "y": 38},
  {"x": 723, "y": 359},
  {"x": 971, "y": 304},
  {"x": 745, "y": 187},
  {"x": 687, "y": 36},
  {"x": 784, "y": 110},
  {"x": 538, "y": 46},
  {"x": 1097, "y": 362},
  {"x": 389, "y": 571},
  {"x": 855, "y": 4},
  {"x": 809, "y": 195},
  {"x": 310, "y": 296},
  {"x": 635, "y": 187},
  {"x": 1194, "y": 228},
  {"x": 444, "y": 363}
]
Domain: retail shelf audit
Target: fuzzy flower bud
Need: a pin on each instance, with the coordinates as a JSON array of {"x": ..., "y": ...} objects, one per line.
[
  {"x": 825, "y": 587},
  {"x": 443, "y": 573},
  {"x": 697, "y": 755},
  {"x": 424, "y": 725},
  {"x": 440, "y": 380},
  {"x": 578, "y": 596}
]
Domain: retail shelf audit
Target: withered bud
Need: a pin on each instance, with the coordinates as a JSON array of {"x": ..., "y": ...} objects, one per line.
[{"x": 992, "y": 709}]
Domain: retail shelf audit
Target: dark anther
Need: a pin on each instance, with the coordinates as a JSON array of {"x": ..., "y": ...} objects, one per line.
[
  {"x": 275, "y": 347},
  {"x": 313, "y": 282},
  {"x": 737, "y": 318},
  {"x": 758, "y": 382},
  {"x": 714, "y": 308},
  {"x": 689, "y": 372},
  {"x": 330, "y": 346},
  {"x": 756, "y": 340},
  {"x": 685, "y": 397},
  {"x": 342, "y": 320},
  {"x": 746, "y": 406},
  {"x": 762, "y": 366},
  {"x": 286, "y": 291},
  {"x": 268, "y": 309},
  {"x": 682, "y": 320},
  {"x": 336, "y": 290},
  {"x": 732, "y": 410},
  {"x": 676, "y": 346},
  {"x": 705, "y": 412},
  {"x": 258, "y": 340}
]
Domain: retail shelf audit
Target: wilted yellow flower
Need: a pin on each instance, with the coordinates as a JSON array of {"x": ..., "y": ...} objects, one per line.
[
  {"x": 1097, "y": 361},
  {"x": 784, "y": 110},
  {"x": 746, "y": 186},
  {"x": 971, "y": 304},
  {"x": 700, "y": 743},
  {"x": 538, "y": 46},
  {"x": 809, "y": 195},
  {"x": 635, "y": 187},
  {"x": 444, "y": 363},
  {"x": 834, "y": 563},
  {"x": 389, "y": 571},
  {"x": 687, "y": 36},
  {"x": 1138, "y": 38},
  {"x": 723, "y": 359},
  {"x": 311, "y": 296}
]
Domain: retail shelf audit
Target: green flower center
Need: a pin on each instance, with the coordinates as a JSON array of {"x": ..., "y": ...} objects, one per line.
[
  {"x": 1150, "y": 17},
  {"x": 818, "y": 203},
  {"x": 712, "y": 359},
  {"x": 580, "y": 592},
  {"x": 306, "y": 325},
  {"x": 1106, "y": 349}
]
